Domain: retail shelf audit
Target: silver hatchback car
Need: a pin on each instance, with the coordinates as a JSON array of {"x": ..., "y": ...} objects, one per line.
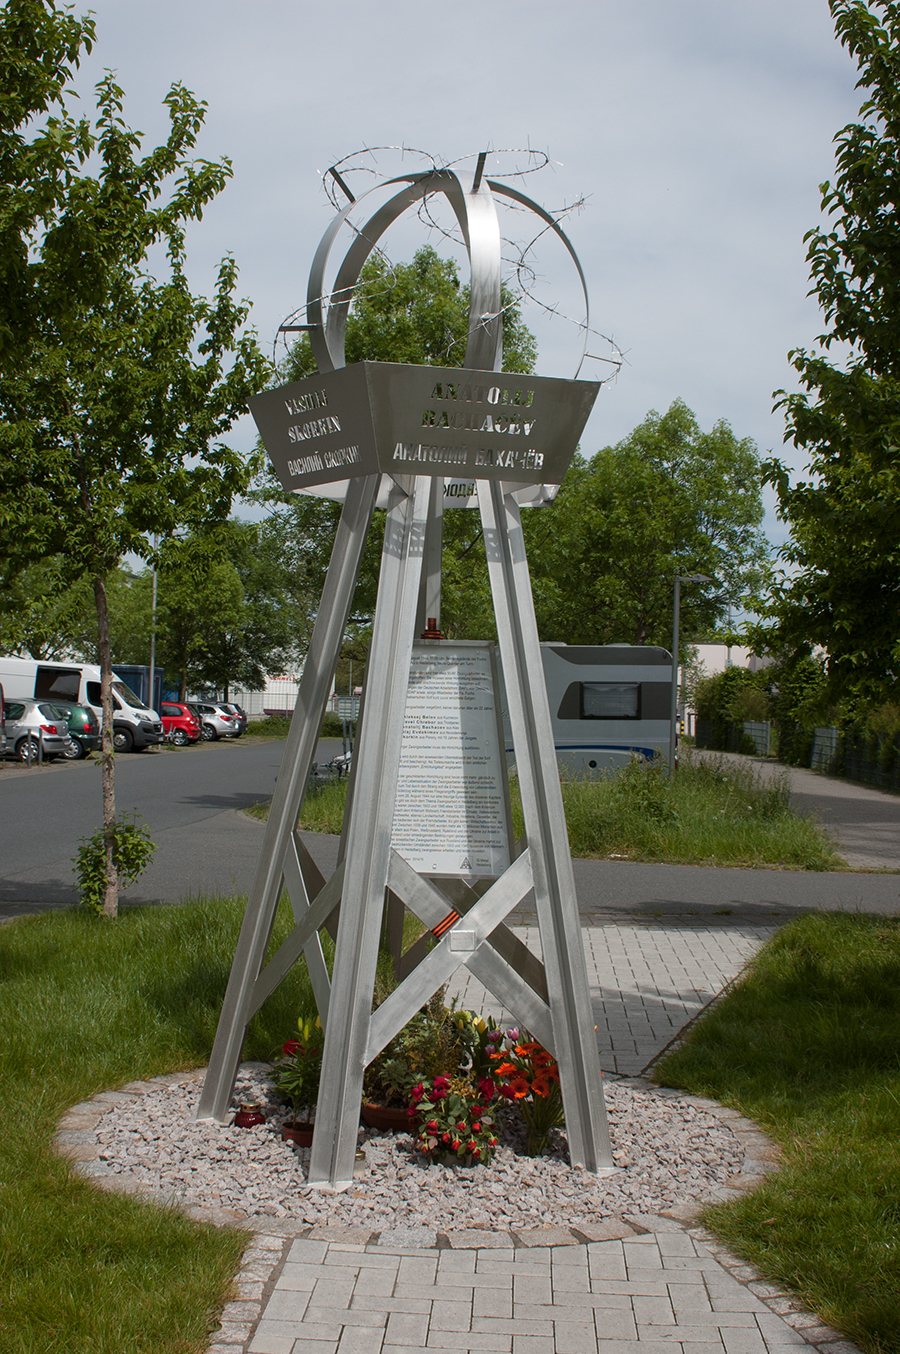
[
  {"x": 217, "y": 721},
  {"x": 35, "y": 731}
]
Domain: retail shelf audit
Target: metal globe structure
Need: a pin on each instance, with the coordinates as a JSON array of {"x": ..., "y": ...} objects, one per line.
[{"x": 389, "y": 434}]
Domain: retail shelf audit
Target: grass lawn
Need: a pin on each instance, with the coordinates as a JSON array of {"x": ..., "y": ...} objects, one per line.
[
  {"x": 808, "y": 1045},
  {"x": 710, "y": 813},
  {"x": 87, "y": 1006}
]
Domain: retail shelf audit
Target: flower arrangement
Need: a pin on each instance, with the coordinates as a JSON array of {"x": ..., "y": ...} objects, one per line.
[
  {"x": 296, "y": 1074},
  {"x": 528, "y": 1076},
  {"x": 430, "y": 1045},
  {"x": 454, "y": 1118}
]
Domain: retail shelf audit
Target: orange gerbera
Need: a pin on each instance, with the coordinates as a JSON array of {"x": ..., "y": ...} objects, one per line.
[
  {"x": 524, "y": 1050},
  {"x": 541, "y": 1086},
  {"x": 519, "y": 1086},
  {"x": 508, "y": 1070}
]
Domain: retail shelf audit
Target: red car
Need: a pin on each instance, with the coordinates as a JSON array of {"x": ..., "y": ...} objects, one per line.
[{"x": 180, "y": 725}]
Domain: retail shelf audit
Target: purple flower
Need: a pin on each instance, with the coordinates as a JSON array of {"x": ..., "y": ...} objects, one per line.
[
  {"x": 513, "y": 1033},
  {"x": 494, "y": 1036}
]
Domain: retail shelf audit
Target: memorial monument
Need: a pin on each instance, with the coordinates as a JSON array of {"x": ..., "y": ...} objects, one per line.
[{"x": 427, "y": 824}]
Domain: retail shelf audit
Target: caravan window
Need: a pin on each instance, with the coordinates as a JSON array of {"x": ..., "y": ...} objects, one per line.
[
  {"x": 610, "y": 700},
  {"x": 63, "y": 683}
]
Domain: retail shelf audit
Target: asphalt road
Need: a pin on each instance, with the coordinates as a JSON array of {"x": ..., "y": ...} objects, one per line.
[{"x": 192, "y": 799}]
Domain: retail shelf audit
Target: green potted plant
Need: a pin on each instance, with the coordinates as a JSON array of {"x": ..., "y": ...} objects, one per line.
[{"x": 296, "y": 1078}]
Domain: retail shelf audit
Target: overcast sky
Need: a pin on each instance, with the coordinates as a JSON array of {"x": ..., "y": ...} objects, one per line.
[{"x": 697, "y": 130}]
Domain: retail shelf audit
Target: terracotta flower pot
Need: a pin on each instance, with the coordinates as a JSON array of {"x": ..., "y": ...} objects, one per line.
[
  {"x": 301, "y": 1134},
  {"x": 387, "y": 1118}
]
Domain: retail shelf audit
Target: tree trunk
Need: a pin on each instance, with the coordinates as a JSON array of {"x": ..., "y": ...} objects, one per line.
[{"x": 107, "y": 753}]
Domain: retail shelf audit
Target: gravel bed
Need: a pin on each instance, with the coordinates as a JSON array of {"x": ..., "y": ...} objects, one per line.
[{"x": 668, "y": 1151}]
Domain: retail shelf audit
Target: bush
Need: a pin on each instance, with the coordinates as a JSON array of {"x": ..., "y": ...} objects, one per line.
[
  {"x": 132, "y": 853},
  {"x": 723, "y": 702}
]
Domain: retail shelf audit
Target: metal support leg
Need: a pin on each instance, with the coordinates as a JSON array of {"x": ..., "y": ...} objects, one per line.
[
  {"x": 368, "y": 839},
  {"x": 290, "y": 788},
  {"x": 430, "y": 590},
  {"x": 545, "y": 827}
]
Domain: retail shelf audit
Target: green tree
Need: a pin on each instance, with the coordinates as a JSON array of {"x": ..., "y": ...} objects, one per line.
[
  {"x": 842, "y": 588},
  {"x": 110, "y": 432},
  {"x": 226, "y": 614},
  {"x": 668, "y": 499},
  {"x": 41, "y": 614}
]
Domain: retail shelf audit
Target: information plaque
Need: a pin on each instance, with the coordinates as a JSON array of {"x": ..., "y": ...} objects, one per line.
[{"x": 452, "y": 810}]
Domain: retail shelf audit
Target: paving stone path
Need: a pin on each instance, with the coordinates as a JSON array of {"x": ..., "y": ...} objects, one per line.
[
  {"x": 665, "y": 1292},
  {"x": 647, "y": 981}
]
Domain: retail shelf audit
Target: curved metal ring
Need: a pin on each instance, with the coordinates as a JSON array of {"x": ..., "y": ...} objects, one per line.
[{"x": 477, "y": 216}]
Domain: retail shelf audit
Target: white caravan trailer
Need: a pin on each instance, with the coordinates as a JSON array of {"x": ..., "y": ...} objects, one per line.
[
  {"x": 134, "y": 725},
  {"x": 608, "y": 703}
]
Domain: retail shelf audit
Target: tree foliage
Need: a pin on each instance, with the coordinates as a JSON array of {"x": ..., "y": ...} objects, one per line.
[
  {"x": 226, "y": 613},
  {"x": 668, "y": 499},
  {"x": 842, "y": 588}
]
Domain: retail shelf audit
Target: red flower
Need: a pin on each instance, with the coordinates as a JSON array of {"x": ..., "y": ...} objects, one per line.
[
  {"x": 418, "y": 1092},
  {"x": 445, "y": 1137},
  {"x": 487, "y": 1088},
  {"x": 507, "y": 1093},
  {"x": 441, "y": 1083},
  {"x": 476, "y": 1128},
  {"x": 291, "y": 1047},
  {"x": 455, "y": 1144},
  {"x": 476, "y": 1152},
  {"x": 472, "y": 1146},
  {"x": 431, "y": 1126}
]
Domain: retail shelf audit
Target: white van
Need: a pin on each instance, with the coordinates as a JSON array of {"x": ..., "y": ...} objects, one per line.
[
  {"x": 134, "y": 725},
  {"x": 608, "y": 703}
]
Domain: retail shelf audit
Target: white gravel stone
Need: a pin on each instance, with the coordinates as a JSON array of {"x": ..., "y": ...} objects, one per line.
[{"x": 669, "y": 1152}]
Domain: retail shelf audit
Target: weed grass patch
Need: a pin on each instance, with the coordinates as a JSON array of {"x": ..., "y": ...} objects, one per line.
[
  {"x": 711, "y": 812},
  {"x": 808, "y": 1045}
]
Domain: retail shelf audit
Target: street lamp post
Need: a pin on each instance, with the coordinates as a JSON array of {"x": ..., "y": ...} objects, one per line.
[{"x": 676, "y": 608}]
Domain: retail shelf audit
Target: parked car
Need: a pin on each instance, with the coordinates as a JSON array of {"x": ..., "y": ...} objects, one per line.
[
  {"x": 241, "y": 714},
  {"x": 33, "y": 729},
  {"x": 84, "y": 729},
  {"x": 134, "y": 725},
  {"x": 180, "y": 723},
  {"x": 217, "y": 722}
]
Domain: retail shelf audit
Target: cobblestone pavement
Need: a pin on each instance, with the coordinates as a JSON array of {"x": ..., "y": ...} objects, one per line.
[
  {"x": 664, "y": 1292},
  {"x": 647, "y": 981}
]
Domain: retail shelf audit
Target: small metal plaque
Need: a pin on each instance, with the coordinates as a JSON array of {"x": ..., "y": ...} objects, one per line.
[{"x": 400, "y": 419}]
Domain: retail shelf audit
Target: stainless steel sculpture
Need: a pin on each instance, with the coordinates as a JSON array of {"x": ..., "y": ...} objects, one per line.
[{"x": 389, "y": 435}]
